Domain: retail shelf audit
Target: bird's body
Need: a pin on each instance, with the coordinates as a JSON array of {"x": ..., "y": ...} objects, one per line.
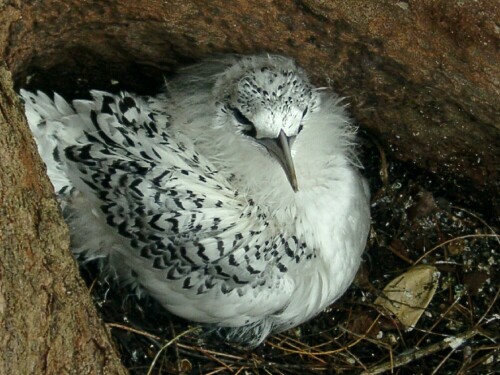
[{"x": 232, "y": 199}]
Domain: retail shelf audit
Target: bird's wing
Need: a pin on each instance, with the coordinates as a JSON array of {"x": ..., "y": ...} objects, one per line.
[{"x": 168, "y": 201}]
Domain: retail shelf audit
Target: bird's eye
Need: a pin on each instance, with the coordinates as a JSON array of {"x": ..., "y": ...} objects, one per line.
[
  {"x": 248, "y": 127},
  {"x": 240, "y": 117},
  {"x": 250, "y": 131}
]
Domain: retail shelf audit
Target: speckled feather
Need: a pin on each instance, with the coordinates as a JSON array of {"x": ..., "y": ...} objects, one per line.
[{"x": 179, "y": 197}]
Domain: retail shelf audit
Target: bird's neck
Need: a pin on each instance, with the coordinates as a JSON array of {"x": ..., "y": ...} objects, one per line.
[
  {"x": 319, "y": 155},
  {"x": 258, "y": 176}
]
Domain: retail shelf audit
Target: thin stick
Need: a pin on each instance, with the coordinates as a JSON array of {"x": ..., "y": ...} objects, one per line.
[
  {"x": 453, "y": 240},
  {"x": 384, "y": 170},
  {"x": 477, "y": 218},
  {"x": 204, "y": 351},
  {"x": 150, "y": 370},
  {"x": 130, "y": 329},
  {"x": 399, "y": 255},
  {"x": 448, "y": 342},
  {"x": 344, "y": 348}
]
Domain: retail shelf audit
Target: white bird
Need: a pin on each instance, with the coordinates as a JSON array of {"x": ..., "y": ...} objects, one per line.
[{"x": 234, "y": 199}]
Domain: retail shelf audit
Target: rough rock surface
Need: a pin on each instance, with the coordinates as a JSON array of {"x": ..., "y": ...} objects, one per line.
[
  {"x": 48, "y": 323},
  {"x": 423, "y": 76}
]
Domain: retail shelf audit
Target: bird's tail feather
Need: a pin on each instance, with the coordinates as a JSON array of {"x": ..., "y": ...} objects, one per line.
[{"x": 44, "y": 117}]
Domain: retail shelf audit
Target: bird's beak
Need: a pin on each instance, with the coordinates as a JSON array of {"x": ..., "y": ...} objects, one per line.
[{"x": 280, "y": 148}]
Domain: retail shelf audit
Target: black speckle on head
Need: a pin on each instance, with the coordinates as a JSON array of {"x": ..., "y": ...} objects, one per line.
[{"x": 271, "y": 84}]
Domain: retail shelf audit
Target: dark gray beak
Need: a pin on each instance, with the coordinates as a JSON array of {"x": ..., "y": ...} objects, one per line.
[{"x": 280, "y": 148}]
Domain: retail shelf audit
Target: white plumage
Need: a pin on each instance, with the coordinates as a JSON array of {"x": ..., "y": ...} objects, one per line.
[{"x": 232, "y": 198}]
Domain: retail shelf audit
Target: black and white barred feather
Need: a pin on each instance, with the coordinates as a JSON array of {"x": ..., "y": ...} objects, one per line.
[{"x": 148, "y": 184}]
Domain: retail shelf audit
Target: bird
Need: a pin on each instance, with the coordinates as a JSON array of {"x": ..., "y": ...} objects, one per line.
[{"x": 233, "y": 197}]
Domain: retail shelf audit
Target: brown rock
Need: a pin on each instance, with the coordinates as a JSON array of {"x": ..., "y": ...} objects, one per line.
[
  {"x": 48, "y": 324},
  {"x": 421, "y": 75}
]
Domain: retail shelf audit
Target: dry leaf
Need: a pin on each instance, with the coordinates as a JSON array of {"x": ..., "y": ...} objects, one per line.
[{"x": 408, "y": 295}]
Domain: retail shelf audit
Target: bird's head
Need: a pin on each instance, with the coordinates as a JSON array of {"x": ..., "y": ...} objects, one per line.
[{"x": 267, "y": 102}]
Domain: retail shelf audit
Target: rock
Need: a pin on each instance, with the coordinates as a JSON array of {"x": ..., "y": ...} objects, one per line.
[{"x": 422, "y": 76}]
